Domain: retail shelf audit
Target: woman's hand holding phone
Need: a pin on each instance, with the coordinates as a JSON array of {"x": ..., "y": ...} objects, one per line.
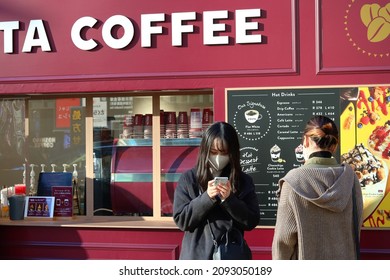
[
  {"x": 212, "y": 189},
  {"x": 223, "y": 187}
]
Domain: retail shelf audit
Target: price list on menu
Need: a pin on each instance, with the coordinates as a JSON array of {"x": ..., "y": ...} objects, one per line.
[{"x": 270, "y": 125}]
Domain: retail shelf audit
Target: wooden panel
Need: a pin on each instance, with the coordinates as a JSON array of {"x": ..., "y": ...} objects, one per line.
[
  {"x": 140, "y": 244},
  {"x": 342, "y": 44}
]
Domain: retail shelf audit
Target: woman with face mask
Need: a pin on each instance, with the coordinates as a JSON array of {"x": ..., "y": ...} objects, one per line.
[
  {"x": 199, "y": 200},
  {"x": 315, "y": 201}
]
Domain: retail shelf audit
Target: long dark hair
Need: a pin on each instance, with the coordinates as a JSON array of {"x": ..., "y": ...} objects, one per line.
[{"x": 229, "y": 139}]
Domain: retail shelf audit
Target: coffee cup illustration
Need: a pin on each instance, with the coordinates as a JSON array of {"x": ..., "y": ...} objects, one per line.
[
  {"x": 252, "y": 116},
  {"x": 299, "y": 153},
  {"x": 275, "y": 153}
]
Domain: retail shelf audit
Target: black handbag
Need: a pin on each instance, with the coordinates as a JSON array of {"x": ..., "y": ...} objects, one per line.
[{"x": 231, "y": 246}]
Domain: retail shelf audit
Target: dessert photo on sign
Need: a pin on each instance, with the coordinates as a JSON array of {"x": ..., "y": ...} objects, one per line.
[{"x": 366, "y": 124}]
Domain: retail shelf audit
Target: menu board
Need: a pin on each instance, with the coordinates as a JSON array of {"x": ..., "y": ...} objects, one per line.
[{"x": 270, "y": 126}]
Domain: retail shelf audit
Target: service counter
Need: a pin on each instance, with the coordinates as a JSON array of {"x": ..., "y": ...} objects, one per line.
[{"x": 134, "y": 238}]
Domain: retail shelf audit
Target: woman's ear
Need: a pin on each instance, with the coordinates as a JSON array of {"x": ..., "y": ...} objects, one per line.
[{"x": 305, "y": 141}]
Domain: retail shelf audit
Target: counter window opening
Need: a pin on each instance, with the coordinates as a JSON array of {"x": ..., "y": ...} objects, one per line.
[{"x": 133, "y": 148}]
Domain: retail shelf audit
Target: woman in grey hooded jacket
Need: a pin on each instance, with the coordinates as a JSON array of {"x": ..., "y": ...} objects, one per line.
[{"x": 315, "y": 204}]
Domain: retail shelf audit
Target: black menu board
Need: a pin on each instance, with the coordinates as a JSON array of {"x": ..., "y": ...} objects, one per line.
[{"x": 270, "y": 125}]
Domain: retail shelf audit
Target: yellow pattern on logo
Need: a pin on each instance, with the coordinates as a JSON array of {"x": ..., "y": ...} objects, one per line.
[{"x": 377, "y": 21}]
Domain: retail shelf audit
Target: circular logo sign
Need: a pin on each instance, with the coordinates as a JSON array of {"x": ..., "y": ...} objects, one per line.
[
  {"x": 252, "y": 120},
  {"x": 367, "y": 26}
]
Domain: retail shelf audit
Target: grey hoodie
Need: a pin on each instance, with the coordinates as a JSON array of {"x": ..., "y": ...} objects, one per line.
[{"x": 314, "y": 218}]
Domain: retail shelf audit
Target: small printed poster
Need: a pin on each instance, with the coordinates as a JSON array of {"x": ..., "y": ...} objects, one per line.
[
  {"x": 63, "y": 201},
  {"x": 63, "y": 111},
  {"x": 39, "y": 207},
  {"x": 77, "y": 126}
]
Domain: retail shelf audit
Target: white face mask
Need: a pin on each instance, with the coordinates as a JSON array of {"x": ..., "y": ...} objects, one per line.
[{"x": 218, "y": 162}]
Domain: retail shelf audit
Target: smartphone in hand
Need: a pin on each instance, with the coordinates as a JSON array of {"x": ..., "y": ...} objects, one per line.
[{"x": 220, "y": 181}]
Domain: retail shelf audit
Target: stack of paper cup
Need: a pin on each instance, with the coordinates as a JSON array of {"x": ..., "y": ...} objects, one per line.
[
  {"x": 170, "y": 125},
  {"x": 182, "y": 125},
  {"x": 162, "y": 124},
  {"x": 138, "y": 128},
  {"x": 128, "y": 127},
  {"x": 207, "y": 118},
  {"x": 195, "y": 123},
  {"x": 148, "y": 126}
]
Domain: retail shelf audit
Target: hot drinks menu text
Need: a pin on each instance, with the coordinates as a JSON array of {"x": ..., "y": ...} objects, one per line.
[{"x": 270, "y": 125}]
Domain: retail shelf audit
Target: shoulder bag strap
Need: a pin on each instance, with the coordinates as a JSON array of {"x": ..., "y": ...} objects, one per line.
[{"x": 212, "y": 234}]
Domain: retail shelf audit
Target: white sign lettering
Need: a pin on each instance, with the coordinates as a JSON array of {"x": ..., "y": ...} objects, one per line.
[
  {"x": 210, "y": 28},
  {"x": 36, "y": 27},
  {"x": 127, "y": 37},
  {"x": 79, "y": 42},
  {"x": 147, "y": 28},
  {"x": 177, "y": 20},
  {"x": 8, "y": 27},
  {"x": 215, "y": 30}
]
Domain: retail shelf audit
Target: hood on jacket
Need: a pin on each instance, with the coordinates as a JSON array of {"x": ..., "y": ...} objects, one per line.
[{"x": 326, "y": 187}]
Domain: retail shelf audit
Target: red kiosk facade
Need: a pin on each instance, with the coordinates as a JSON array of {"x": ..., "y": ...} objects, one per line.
[{"x": 191, "y": 54}]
